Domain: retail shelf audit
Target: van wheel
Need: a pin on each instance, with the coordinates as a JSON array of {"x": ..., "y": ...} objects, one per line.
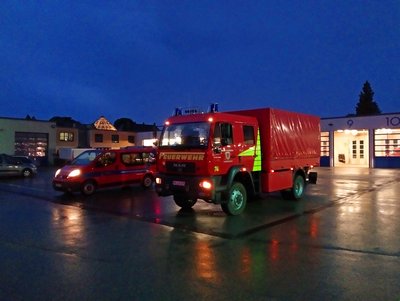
[
  {"x": 237, "y": 200},
  {"x": 88, "y": 188},
  {"x": 27, "y": 173},
  {"x": 297, "y": 191},
  {"x": 147, "y": 181},
  {"x": 184, "y": 202}
]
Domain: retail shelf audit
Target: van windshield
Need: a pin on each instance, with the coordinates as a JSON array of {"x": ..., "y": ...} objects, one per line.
[
  {"x": 86, "y": 157},
  {"x": 186, "y": 135}
]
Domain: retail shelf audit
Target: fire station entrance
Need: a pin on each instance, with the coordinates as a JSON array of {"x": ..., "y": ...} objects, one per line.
[{"x": 351, "y": 148}]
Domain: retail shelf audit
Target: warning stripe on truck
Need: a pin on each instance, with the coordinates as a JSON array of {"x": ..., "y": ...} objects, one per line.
[{"x": 256, "y": 154}]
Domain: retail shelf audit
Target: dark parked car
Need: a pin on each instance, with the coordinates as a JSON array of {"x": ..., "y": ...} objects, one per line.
[{"x": 16, "y": 166}]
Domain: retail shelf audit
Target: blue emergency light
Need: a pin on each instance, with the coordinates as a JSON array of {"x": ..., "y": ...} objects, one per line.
[{"x": 213, "y": 107}]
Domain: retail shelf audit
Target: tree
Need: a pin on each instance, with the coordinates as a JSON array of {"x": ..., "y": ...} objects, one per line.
[
  {"x": 366, "y": 104},
  {"x": 124, "y": 124}
]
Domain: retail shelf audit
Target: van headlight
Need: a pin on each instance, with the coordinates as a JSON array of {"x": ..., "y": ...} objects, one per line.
[{"x": 74, "y": 173}]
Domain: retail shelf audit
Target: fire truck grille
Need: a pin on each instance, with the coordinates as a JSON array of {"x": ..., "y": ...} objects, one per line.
[{"x": 186, "y": 167}]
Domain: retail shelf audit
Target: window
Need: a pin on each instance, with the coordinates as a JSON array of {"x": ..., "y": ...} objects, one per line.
[
  {"x": 86, "y": 157},
  {"x": 149, "y": 158},
  {"x": 324, "y": 144},
  {"x": 106, "y": 159},
  {"x": 361, "y": 142},
  {"x": 192, "y": 135},
  {"x": 131, "y": 159},
  {"x": 223, "y": 134},
  {"x": 66, "y": 136},
  {"x": 248, "y": 133},
  {"x": 115, "y": 138},
  {"x": 354, "y": 149},
  {"x": 131, "y": 139},
  {"x": 386, "y": 142},
  {"x": 9, "y": 160},
  {"x": 98, "y": 137}
]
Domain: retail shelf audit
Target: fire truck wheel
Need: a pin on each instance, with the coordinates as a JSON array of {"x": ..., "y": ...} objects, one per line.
[
  {"x": 298, "y": 187},
  {"x": 184, "y": 202},
  {"x": 147, "y": 181},
  {"x": 88, "y": 188},
  {"x": 297, "y": 191},
  {"x": 237, "y": 200}
]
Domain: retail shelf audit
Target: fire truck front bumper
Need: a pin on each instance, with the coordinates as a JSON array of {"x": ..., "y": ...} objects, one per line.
[{"x": 191, "y": 187}]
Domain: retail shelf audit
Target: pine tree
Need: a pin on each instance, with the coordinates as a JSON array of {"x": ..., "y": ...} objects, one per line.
[{"x": 366, "y": 104}]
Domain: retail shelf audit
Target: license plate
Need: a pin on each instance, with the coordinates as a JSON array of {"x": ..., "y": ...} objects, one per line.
[
  {"x": 179, "y": 183},
  {"x": 58, "y": 185}
]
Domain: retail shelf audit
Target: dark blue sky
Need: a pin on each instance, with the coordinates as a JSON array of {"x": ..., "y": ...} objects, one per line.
[{"x": 141, "y": 59}]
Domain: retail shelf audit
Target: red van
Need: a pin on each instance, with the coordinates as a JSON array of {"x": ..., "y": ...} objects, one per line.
[{"x": 94, "y": 169}]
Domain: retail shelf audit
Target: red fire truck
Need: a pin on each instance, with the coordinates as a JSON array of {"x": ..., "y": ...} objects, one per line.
[{"x": 225, "y": 158}]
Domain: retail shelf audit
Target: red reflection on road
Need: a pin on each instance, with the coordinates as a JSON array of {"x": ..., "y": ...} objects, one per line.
[
  {"x": 245, "y": 261},
  {"x": 205, "y": 261},
  {"x": 274, "y": 249}
]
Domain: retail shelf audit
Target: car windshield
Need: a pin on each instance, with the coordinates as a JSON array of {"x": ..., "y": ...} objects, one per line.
[
  {"x": 186, "y": 135},
  {"x": 86, "y": 157}
]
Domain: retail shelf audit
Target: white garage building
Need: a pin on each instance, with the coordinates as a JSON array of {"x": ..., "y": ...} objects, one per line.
[{"x": 367, "y": 141}]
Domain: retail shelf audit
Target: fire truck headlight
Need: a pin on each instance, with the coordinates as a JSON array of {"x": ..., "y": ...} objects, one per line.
[
  {"x": 57, "y": 172},
  {"x": 74, "y": 173},
  {"x": 158, "y": 181},
  {"x": 205, "y": 184}
]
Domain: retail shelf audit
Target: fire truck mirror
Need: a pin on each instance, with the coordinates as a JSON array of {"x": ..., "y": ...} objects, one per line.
[{"x": 217, "y": 149}]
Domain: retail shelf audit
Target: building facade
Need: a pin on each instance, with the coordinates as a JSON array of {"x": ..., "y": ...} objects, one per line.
[
  {"x": 102, "y": 134},
  {"x": 28, "y": 137},
  {"x": 42, "y": 140},
  {"x": 361, "y": 141}
]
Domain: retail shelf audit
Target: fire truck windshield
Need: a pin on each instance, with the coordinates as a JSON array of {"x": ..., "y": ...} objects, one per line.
[{"x": 190, "y": 135}]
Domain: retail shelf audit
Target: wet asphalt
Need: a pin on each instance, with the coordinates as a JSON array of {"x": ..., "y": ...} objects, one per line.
[{"x": 341, "y": 242}]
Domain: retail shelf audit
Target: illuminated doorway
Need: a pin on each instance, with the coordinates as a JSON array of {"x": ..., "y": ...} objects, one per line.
[{"x": 351, "y": 148}]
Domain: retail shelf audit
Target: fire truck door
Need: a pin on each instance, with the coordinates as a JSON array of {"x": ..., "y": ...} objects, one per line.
[{"x": 223, "y": 151}]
